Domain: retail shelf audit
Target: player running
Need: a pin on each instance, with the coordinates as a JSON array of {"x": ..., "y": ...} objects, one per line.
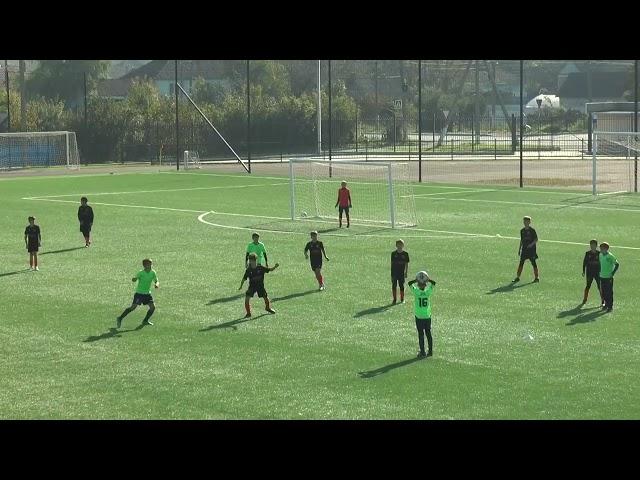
[
  {"x": 316, "y": 249},
  {"x": 145, "y": 278}
]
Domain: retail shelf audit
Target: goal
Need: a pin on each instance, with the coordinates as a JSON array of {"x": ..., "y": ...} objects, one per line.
[
  {"x": 615, "y": 162},
  {"x": 191, "y": 159},
  {"x": 38, "y": 149},
  {"x": 381, "y": 191}
]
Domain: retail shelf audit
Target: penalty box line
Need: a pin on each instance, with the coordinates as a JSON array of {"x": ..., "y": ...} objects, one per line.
[
  {"x": 202, "y": 214},
  {"x": 39, "y": 197}
]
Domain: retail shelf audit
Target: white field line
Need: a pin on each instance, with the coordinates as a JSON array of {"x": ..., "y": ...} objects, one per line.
[
  {"x": 636, "y": 210},
  {"x": 445, "y": 193},
  {"x": 612, "y": 193},
  {"x": 157, "y": 191},
  {"x": 356, "y": 236},
  {"x": 118, "y": 205},
  {"x": 414, "y": 184},
  {"x": 204, "y": 213}
]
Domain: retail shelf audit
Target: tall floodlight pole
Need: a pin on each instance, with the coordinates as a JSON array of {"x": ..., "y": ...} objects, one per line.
[
  {"x": 521, "y": 114},
  {"x": 319, "y": 112},
  {"x": 635, "y": 123},
  {"x": 330, "y": 120},
  {"x": 6, "y": 83},
  {"x": 177, "y": 124},
  {"x": 419, "y": 120},
  {"x": 248, "y": 119}
]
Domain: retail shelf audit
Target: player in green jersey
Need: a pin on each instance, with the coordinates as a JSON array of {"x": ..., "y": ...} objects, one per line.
[
  {"x": 145, "y": 278},
  {"x": 422, "y": 307},
  {"x": 257, "y": 247},
  {"x": 608, "y": 267}
]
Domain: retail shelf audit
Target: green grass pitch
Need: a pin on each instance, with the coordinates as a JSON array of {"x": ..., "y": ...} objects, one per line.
[{"x": 345, "y": 353}]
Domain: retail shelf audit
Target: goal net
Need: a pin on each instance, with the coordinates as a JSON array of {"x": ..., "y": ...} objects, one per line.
[
  {"x": 381, "y": 192},
  {"x": 191, "y": 159},
  {"x": 615, "y": 164},
  {"x": 38, "y": 149}
]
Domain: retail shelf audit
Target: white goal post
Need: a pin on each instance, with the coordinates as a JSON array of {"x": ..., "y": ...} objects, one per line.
[
  {"x": 191, "y": 159},
  {"x": 38, "y": 149},
  {"x": 381, "y": 192}
]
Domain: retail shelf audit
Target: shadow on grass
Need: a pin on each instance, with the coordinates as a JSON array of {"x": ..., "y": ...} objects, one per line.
[
  {"x": 572, "y": 312},
  {"x": 388, "y": 368},
  {"x": 24, "y": 270},
  {"x": 510, "y": 287},
  {"x": 113, "y": 332},
  {"x": 232, "y": 324},
  {"x": 226, "y": 299},
  {"x": 293, "y": 295},
  {"x": 62, "y": 251},
  {"x": 582, "y": 315},
  {"x": 373, "y": 310}
]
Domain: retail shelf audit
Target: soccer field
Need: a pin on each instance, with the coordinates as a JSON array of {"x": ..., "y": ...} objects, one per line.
[{"x": 500, "y": 351}]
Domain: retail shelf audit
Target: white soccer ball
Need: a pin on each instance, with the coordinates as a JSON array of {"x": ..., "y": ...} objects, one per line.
[
  {"x": 303, "y": 214},
  {"x": 422, "y": 277}
]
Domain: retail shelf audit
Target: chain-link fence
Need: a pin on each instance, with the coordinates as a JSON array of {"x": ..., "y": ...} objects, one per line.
[{"x": 268, "y": 110}]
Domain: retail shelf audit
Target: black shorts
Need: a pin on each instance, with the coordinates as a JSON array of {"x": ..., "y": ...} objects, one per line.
[
  {"x": 591, "y": 276},
  {"x": 252, "y": 290},
  {"x": 142, "y": 298},
  {"x": 85, "y": 228},
  {"x": 423, "y": 323},
  {"x": 528, "y": 256},
  {"x": 316, "y": 264},
  {"x": 343, "y": 209},
  {"x": 397, "y": 278},
  {"x": 32, "y": 246}
]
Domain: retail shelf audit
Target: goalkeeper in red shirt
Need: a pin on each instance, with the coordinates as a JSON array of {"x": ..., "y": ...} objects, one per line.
[{"x": 344, "y": 202}]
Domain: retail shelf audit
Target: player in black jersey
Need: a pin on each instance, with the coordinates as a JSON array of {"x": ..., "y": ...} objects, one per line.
[
  {"x": 85, "y": 217},
  {"x": 399, "y": 267},
  {"x": 591, "y": 266},
  {"x": 32, "y": 240},
  {"x": 255, "y": 273},
  {"x": 316, "y": 250},
  {"x": 527, "y": 249}
]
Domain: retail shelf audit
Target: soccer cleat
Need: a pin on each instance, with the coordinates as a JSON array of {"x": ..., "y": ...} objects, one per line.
[
  {"x": 394, "y": 302},
  {"x": 86, "y": 245},
  {"x": 147, "y": 322},
  {"x": 536, "y": 280},
  {"x": 515, "y": 280},
  {"x": 421, "y": 355},
  {"x": 429, "y": 353},
  {"x": 37, "y": 269},
  {"x": 610, "y": 309},
  {"x": 270, "y": 310},
  {"x": 248, "y": 315},
  {"x": 321, "y": 287},
  {"x": 118, "y": 322}
]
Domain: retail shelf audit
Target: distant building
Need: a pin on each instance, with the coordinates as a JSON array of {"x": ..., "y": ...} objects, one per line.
[
  {"x": 162, "y": 73},
  {"x": 592, "y": 82}
]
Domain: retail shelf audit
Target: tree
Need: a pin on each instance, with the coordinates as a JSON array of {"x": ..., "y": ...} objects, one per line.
[{"x": 64, "y": 79}]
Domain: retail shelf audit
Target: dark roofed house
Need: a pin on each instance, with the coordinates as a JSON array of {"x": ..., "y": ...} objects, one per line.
[
  {"x": 605, "y": 86},
  {"x": 115, "y": 88},
  {"x": 162, "y": 72}
]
